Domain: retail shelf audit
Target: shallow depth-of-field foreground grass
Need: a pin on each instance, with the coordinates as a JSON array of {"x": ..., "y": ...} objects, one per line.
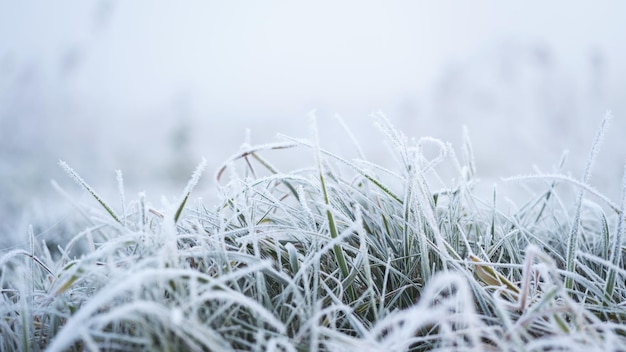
[{"x": 342, "y": 256}]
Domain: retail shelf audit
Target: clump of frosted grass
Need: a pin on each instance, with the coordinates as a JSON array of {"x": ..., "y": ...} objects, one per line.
[{"x": 340, "y": 256}]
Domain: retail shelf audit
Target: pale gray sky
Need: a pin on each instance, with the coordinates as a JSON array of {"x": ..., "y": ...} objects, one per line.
[{"x": 284, "y": 57}]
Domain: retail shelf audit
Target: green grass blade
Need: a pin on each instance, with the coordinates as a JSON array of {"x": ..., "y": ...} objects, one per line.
[
  {"x": 617, "y": 243},
  {"x": 341, "y": 260},
  {"x": 572, "y": 239},
  {"x": 190, "y": 186},
  {"x": 84, "y": 184}
]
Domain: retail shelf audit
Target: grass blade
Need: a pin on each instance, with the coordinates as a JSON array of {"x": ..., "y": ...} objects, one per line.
[
  {"x": 84, "y": 184},
  {"x": 195, "y": 177}
]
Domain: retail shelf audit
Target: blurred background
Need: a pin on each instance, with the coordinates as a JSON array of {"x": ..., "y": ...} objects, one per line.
[{"x": 151, "y": 87}]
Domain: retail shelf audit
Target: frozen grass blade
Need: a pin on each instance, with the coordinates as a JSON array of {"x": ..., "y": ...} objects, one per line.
[
  {"x": 368, "y": 175},
  {"x": 617, "y": 244},
  {"x": 84, "y": 184},
  {"x": 353, "y": 139},
  {"x": 195, "y": 177},
  {"x": 468, "y": 153},
  {"x": 572, "y": 239},
  {"x": 567, "y": 179},
  {"x": 251, "y": 151},
  {"x": 120, "y": 188},
  {"x": 332, "y": 227}
]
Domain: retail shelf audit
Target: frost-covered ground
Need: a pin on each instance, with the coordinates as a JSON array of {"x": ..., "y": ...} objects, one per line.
[
  {"x": 151, "y": 87},
  {"x": 406, "y": 250}
]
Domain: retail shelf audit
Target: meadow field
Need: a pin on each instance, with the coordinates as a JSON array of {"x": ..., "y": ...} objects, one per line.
[{"x": 339, "y": 255}]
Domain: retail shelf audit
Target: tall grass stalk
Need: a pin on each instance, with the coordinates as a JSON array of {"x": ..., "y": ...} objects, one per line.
[
  {"x": 572, "y": 238},
  {"x": 88, "y": 188},
  {"x": 341, "y": 260},
  {"x": 616, "y": 250}
]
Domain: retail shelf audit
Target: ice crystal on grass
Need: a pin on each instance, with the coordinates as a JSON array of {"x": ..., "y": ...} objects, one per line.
[{"x": 343, "y": 255}]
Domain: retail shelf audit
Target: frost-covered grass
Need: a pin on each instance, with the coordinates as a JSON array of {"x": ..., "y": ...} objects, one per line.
[{"x": 345, "y": 255}]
